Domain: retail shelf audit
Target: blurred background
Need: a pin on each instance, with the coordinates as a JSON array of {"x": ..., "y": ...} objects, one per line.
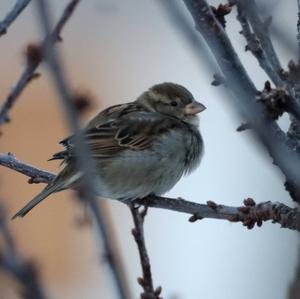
[{"x": 114, "y": 50}]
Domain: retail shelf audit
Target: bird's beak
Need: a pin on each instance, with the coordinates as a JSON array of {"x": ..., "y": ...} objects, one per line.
[{"x": 194, "y": 108}]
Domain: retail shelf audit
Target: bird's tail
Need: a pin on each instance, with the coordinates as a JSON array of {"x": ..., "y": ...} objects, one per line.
[{"x": 36, "y": 200}]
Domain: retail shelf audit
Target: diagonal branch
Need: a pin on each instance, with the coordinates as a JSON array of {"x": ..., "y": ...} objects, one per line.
[
  {"x": 261, "y": 30},
  {"x": 261, "y": 46},
  {"x": 255, "y": 47},
  {"x": 32, "y": 64},
  {"x": 12, "y": 15},
  {"x": 280, "y": 148},
  {"x": 84, "y": 162},
  {"x": 276, "y": 212}
]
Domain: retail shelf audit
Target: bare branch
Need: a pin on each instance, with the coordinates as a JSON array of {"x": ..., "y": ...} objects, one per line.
[
  {"x": 279, "y": 146},
  {"x": 14, "y": 264},
  {"x": 261, "y": 30},
  {"x": 138, "y": 233},
  {"x": 10, "y": 161},
  {"x": 249, "y": 215},
  {"x": 37, "y": 175},
  {"x": 88, "y": 187},
  {"x": 32, "y": 64},
  {"x": 255, "y": 47},
  {"x": 261, "y": 46},
  {"x": 12, "y": 15},
  {"x": 276, "y": 212}
]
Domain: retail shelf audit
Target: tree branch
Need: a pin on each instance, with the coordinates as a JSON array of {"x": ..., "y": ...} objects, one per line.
[
  {"x": 249, "y": 214},
  {"x": 281, "y": 148},
  {"x": 14, "y": 264},
  {"x": 85, "y": 164},
  {"x": 261, "y": 46},
  {"x": 34, "y": 58},
  {"x": 255, "y": 47},
  {"x": 35, "y": 174},
  {"x": 261, "y": 30},
  {"x": 12, "y": 15},
  {"x": 138, "y": 233}
]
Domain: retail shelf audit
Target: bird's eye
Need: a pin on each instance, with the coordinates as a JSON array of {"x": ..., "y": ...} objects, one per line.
[{"x": 174, "y": 104}]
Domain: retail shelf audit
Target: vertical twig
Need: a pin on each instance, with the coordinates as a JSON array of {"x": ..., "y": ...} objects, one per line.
[
  {"x": 12, "y": 15},
  {"x": 138, "y": 233},
  {"x": 83, "y": 158}
]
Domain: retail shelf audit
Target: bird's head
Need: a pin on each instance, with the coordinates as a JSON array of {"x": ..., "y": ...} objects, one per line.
[{"x": 173, "y": 100}]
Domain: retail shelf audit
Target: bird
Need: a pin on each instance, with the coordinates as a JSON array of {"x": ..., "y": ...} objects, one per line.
[{"x": 139, "y": 148}]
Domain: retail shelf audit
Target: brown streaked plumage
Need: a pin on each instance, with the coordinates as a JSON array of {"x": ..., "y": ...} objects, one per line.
[{"x": 140, "y": 148}]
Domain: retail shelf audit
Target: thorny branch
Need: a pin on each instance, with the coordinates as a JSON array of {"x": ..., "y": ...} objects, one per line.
[
  {"x": 249, "y": 214},
  {"x": 12, "y": 15},
  {"x": 34, "y": 58},
  {"x": 14, "y": 264},
  {"x": 84, "y": 162}
]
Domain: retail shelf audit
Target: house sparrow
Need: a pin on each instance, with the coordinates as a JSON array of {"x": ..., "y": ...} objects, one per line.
[{"x": 139, "y": 148}]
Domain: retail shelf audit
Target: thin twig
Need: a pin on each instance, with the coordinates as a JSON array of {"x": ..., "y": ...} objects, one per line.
[
  {"x": 138, "y": 233},
  {"x": 256, "y": 48},
  {"x": 12, "y": 15},
  {"x": 279, "y": 146},
  {"x": 278, "y": 213},
  {"x": 29, "y": 71},
  {"x": 261, "y": 30},
  {"x": 11, "y": 261},
  {"x": 88, "y": 188},
  {"x": 10, "y": 161},
  {"x": 261, "y": 46}
]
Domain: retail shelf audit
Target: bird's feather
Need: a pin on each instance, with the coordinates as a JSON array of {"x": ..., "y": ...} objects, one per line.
[{"x": 121, "y": 128}]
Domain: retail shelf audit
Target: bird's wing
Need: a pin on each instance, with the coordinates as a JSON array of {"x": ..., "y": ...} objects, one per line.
[{"x": 116, "y": 130}]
